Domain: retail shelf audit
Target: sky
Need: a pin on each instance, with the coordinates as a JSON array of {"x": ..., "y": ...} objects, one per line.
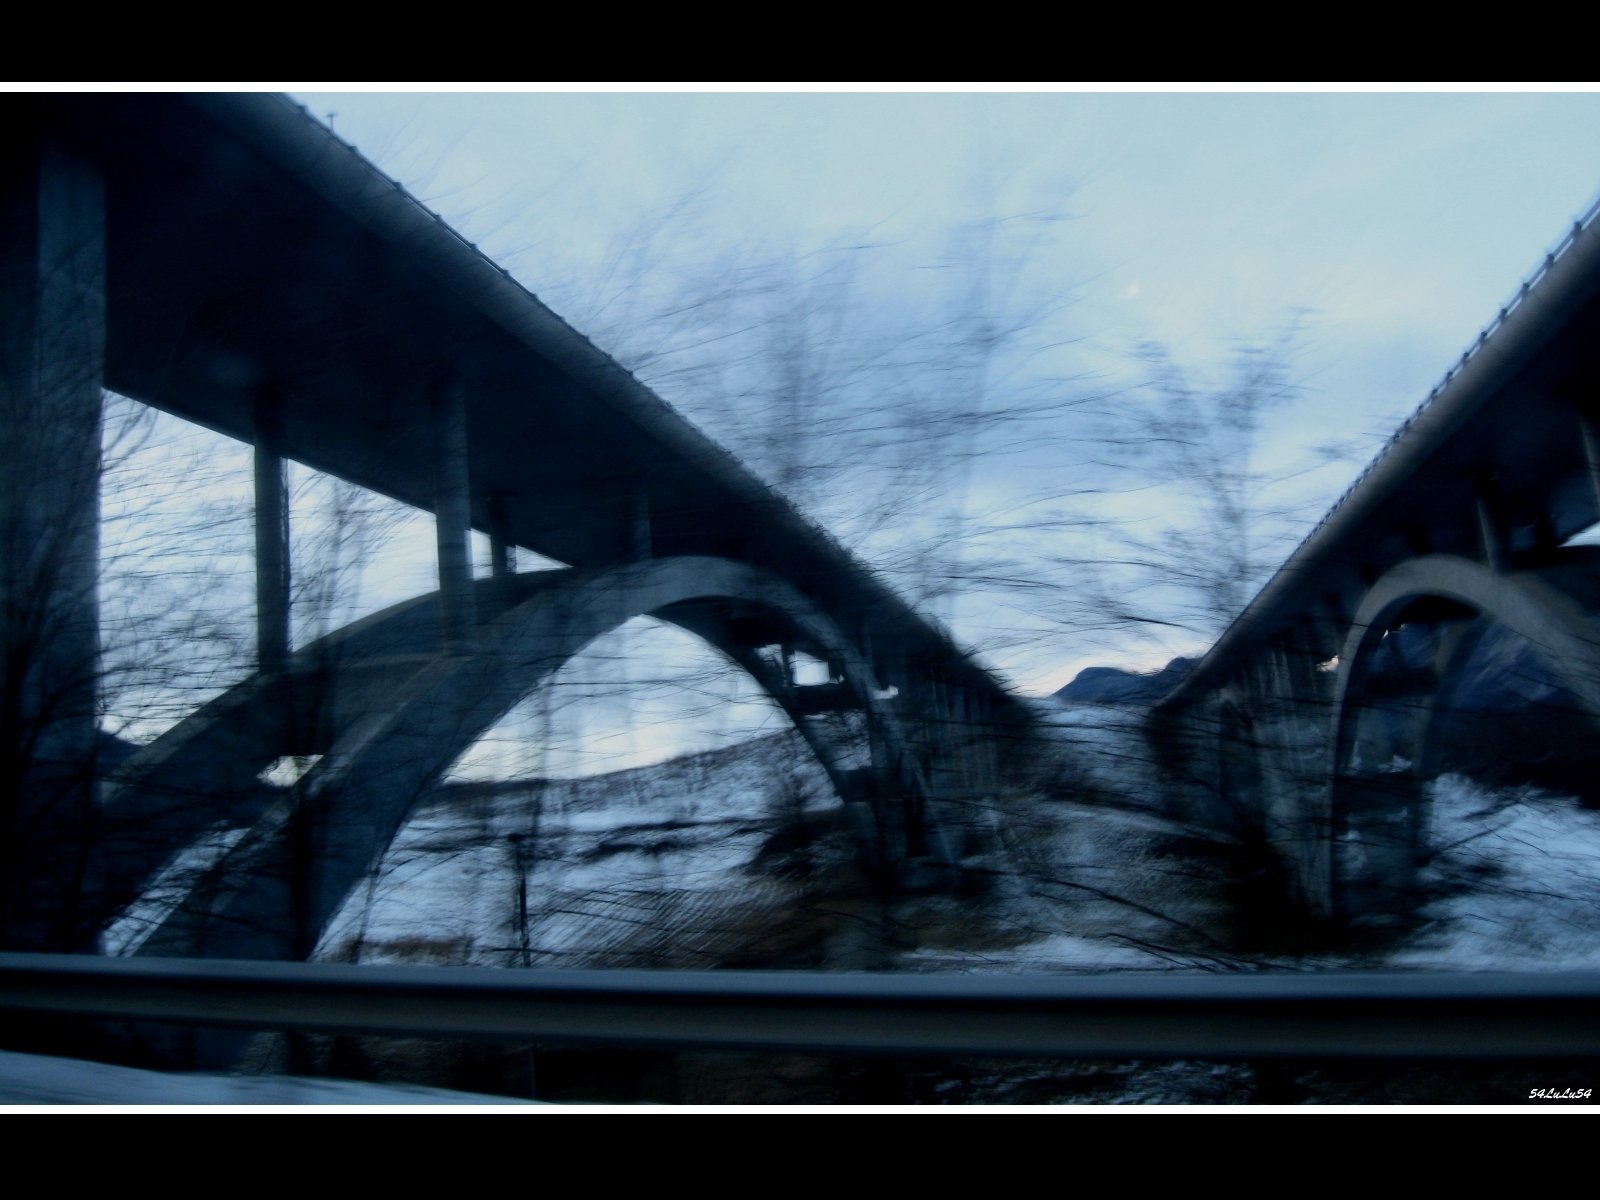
[
  {"x": 713, "y": 239},
  {"x": 1395, "y": 223},
  {"x": 1400, "y": 221}
]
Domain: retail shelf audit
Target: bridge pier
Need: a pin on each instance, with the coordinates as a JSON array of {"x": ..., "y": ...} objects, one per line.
[
  {"x": 1377, "y": 800},
  {"x": 1291, "y": 741},
  {"x": 1589, "y": 432},
  {"x": 1248, "y": 762},
  {"x": 502, "y": 550},
  {"x": 642, "y": 534},
  {"x": 458, "y": 619},
  {"x": 1491, "y": 523},
  {"x": 52, "y": 364},
  {"x": 272, "y": 536}
]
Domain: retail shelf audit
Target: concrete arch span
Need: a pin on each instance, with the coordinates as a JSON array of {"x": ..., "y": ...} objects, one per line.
[
  {"x": 1373, "y": 811},
  {"x": 394, "y": 721},
  {"x": 1540, "y": 607}
]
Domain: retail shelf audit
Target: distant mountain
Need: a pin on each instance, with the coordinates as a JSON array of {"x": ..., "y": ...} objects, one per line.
[
  {"x": 1504, "y": 674},
  {"x": 1112, "y": 685}
]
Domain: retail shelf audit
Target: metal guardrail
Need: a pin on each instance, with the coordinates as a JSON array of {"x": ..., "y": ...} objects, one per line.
[{"x": 1172, "y": 1015}]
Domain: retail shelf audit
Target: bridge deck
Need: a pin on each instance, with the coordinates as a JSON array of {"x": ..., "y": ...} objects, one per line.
[{"x": 252, "y": 253}]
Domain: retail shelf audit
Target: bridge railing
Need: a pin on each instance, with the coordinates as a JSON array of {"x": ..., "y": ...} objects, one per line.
[
  {"x": 1159, "y": 1016},
  {"x": 1510, "y": 306}
]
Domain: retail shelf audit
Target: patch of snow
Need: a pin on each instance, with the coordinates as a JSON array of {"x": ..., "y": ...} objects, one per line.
[
  {"x": 30, "y": 1079},
  {"x": 288, "y": 770},
  {"x": 1517, "y": 874},
  {"x": 635, "y": 868},
  {"x": 1059, "y": 952}
]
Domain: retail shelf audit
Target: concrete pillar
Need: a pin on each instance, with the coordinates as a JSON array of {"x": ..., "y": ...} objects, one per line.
[
  {"x": 1545, "y": 540},
  {"x": 979, "y": 743},
  {"x": 1303, "y": 658},
  {"x": 989, "y": 747},
  {"x": 502, "y": 550},
  {"x": 52, "y": 364},
  {"x": 1453, "y": 647},
  {"x": 1338, "y": 614},
  {"x": 272, "y": 536},
  {"x": 458, "y": 618},
  {"x": 939, "y": 755},
  {"x": 1589, "y": 431},
  {"x": 1491, "y": 528},
  {"x": 878, "y": 672},
  {"x": 964, "y": 735},
  {"x": 643, "y": 537}
]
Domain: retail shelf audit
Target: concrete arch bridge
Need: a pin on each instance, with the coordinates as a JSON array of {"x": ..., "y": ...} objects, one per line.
[
  {"x": 229, "y": 260},
  {"x": 1445, "y": 614}
]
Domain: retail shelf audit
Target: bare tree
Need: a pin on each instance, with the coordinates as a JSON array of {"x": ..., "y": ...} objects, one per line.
[{"x": 1203, "y": 493}]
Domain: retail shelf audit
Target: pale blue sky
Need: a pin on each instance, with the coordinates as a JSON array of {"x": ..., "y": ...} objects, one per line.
[
  {"x": 1397, "y": 223},
  {"x": 1402, "y": 220}
]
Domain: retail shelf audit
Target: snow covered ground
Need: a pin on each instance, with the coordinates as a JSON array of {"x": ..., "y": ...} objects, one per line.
[
  {"x": 32, "y": 1079},
  {"x": 737, "y": 858},
  {"x": 1516, "y": 876},
  {"x": 1513, "y": 881},
  {"x": 681, "y": 865}
]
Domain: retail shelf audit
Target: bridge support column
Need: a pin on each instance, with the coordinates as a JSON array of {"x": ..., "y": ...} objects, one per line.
[
  {"x": 52, "y": 362},
  {"x": 272, "y": 537},
  {"x": 643, "y": 537},
  {"x": 1491, "y": 526},
  {"x": 458, "y": 618},
  {"x": 1590, "y": 432},
  {"x": 986, "y": 748},
  {"x": 502, "y": 550},
  {"x": 963, "y": 740}
]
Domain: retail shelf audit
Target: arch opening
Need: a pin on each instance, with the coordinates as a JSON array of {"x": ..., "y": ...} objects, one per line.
[
  {"x": 639, "y": 695},
  {"x": 1448, "y": 663},
  {"x": 577, "y": 830},
  {"x": 398, "y": 738}
]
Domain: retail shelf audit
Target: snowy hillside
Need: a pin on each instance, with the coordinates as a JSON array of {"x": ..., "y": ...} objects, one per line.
[
  {"x": 677, "y": 865},
  {"x": 740, "y": 858}
]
